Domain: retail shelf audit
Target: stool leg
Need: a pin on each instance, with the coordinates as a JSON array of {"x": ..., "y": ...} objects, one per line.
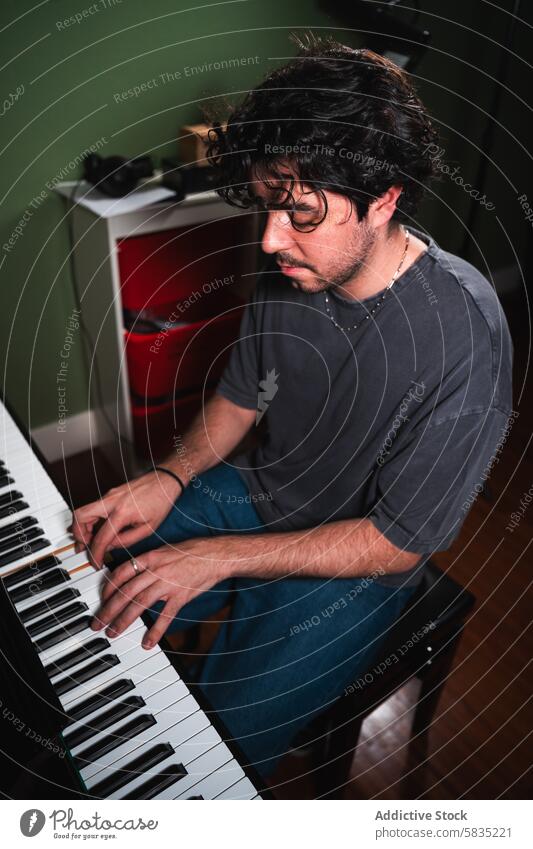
[
  {"x": 433, "y": 678},
  {"x": 334, "y": 758}
]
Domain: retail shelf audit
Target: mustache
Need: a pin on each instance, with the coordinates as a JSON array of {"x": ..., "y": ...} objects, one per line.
[{"x": 287, "y": 260}]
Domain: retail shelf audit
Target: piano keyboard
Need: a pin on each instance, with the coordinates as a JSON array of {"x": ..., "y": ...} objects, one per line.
[
  {"x": 33, "y": 516},
  {"x": 135, "y": 730}
]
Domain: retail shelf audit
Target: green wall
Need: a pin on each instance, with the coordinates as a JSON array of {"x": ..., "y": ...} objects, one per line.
[{"x": 67, "y": 77}]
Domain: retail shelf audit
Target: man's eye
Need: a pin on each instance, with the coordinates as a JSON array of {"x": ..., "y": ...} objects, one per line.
[{"x": 303, "y": 218}]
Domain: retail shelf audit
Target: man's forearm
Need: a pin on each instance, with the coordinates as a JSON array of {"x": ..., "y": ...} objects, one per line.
[
  {"x": 212, "y": 435},
  {"x": 343, "y": 549}
]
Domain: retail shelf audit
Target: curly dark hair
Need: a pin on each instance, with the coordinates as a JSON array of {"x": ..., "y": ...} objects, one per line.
[{"x": 344, "y": 120}]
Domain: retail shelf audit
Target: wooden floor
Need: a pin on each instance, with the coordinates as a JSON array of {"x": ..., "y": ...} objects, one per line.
[{"x": 480, "y": 741}]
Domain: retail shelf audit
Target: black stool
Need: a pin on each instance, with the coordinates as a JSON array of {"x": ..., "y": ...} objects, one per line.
[{"x": 422, "y": 643}]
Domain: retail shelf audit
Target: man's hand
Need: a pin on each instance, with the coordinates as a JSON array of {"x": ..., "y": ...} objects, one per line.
[
  {"x": 130, "y": 513},
  {"x": 173, "y": 574}
]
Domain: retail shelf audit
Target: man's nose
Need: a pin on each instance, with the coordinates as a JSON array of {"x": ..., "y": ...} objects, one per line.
[{"x": 278, "y": 233}]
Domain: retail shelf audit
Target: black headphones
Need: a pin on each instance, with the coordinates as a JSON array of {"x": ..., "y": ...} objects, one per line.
[{"x": 117, "y": 176}]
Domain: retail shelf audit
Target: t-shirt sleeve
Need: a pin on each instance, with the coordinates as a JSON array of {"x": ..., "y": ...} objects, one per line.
[
  {"x": 427, "y": 486},
  {"x": 239, "y": 382}
]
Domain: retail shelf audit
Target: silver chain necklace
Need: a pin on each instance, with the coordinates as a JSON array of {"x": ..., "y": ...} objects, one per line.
[{"x": 378, "y": 303}]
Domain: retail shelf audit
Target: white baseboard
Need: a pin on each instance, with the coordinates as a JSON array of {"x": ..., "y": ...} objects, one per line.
[{"x": 78, "y": 433}]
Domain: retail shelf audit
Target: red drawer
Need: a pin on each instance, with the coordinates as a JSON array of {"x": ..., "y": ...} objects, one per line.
[
  {"x": 159, "y": 270},
  {"x": 162, "y": 364},
  {"x": 155, "y": 428}
]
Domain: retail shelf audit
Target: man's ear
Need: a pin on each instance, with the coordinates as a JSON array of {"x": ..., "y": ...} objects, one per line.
[{"x": 382, "y": 208}]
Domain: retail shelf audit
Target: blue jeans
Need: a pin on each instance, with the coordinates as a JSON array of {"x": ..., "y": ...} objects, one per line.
[{"x": 290, "y": 646}]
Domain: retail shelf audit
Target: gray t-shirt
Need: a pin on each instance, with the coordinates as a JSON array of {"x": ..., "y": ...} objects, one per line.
[{"x": 396, "y": 421}]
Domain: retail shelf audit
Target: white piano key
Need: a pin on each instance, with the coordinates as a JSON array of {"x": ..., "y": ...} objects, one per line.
[
  {"x": 57, "y": 545},
  {"x": 200, "y": 756},
  {"x": 187, "y": 749},
  {"x": 154, "y": 704},
  {"x": 120, "y": 646},
  {"x": 91, "y": 599},
  {"x": 84, "y": 636},
  {"x": 71, "y": 561},
  {"x": 54, "y": 528},
  {"x": 53, "y": 609},
  {"x": 149, "y": 686},
  {"x": 209, "y": 764},
  {"x": 42, "y": 513},
  {"x": 13, "y": 442},
  {"x": 151, "y": 666},
  {"x": 37, "y": 495},
  {"x": 185, "y": 713},
  {"x": 36, "y": 586},
  {"x": 91, "y": 580},
  {"x": 27, "y": 477},
  {"x": 215, "y": 781},
  {"x": 214, "y": 772},
  {"x": 243, "y": 789},
  {"x": 35, "y": 590},
  {"x": 62, "y": 553},
  {"x": 128, "y": 662}
]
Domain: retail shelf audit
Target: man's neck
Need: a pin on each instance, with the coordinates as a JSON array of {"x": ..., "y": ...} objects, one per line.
[{"x": 382, "y": 263}]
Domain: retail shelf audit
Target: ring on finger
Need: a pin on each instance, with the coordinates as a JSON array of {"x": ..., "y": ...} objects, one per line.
[{"x": 135, "y": 565}]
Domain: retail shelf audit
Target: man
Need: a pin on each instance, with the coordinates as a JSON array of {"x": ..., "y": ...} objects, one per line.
[{"x": 379, "y": 369}]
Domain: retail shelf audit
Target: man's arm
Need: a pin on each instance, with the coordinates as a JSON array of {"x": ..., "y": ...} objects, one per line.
[
  {"x": 134, "y": 510},
  {"x": 177, "y": 574},
  {"x": 213, "y": 434},
  {"x": 342, "y": 549}
]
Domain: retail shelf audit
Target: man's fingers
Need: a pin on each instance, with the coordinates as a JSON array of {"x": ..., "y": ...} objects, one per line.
[
  {"x": 135, "y": 605},
  {"x": 119, "y": 576},
  {"x": 106, "y": 535},
  {"x": 82, "y": 531},
  {"x": 113, "y": 605},
  {"x": 161, "y": 624},
  {"x": 85, "y": 518},
  {"x": 115, "y": 579},
  {"x": 126, "y": 572},
  {"x": 133, "y": 535}
]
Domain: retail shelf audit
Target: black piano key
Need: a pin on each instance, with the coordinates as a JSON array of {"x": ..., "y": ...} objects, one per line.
[
  {"x": 10, "y": 496},
  {"x": 193, "y": 797},
  {"x": 5, "y": 480},
  {"x": 13, "y": 509},
  {"x": 136, "y": 767},
  {"x": 157, "y": 783},
  {"x": 63, "y": 633},
  {"x": 57, "y": 618},
  {"x": 113, "y": 741},
  {"x": 44, "y": 582},
  {"x": 52, "y": 603},
  {"x": 119, "y": 711},
  {"x": 108, "y": 694},
  {"x": 17, "y": 527},
  {"x": 24, "y": 537},
  {"x": 23, "y": 551},
  {"x": 69, "y": 682},
  {"x": 83, "y": 652},
  {"x": 33, "y": 570}
]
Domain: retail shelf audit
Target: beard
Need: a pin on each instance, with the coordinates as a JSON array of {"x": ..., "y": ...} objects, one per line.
[{"x": 342, "y": 269}]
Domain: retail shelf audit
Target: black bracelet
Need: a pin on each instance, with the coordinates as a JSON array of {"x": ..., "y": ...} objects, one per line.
[{"x": 172, "y": 474}]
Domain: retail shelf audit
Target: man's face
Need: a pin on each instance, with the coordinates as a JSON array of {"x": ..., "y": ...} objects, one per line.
[{"x": 332, "y": 253}]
